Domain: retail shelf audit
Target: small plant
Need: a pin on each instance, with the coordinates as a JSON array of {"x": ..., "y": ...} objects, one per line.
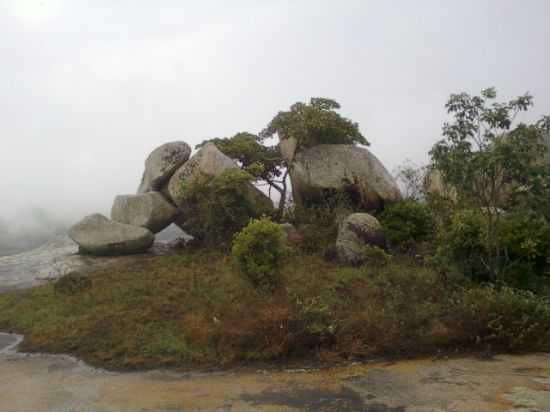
[
  {"x": 316, "y": 316},
  {"x": 259, "y": 251},
  {"x": 72, "y": 283}
]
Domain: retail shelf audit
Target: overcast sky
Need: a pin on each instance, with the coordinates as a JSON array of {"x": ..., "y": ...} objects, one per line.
[{"x": 89, "y": 88}]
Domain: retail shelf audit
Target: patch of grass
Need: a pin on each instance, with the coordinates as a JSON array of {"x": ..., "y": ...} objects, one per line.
[{"x": 198, "y": 310}]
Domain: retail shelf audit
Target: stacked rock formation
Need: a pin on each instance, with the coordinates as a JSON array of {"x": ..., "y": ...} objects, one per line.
[{"x": 135, "y": 218}]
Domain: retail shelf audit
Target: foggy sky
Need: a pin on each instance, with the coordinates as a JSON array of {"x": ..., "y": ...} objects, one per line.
[{"x": 89, "y": 88}]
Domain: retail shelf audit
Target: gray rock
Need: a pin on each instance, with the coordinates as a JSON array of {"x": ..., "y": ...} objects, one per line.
[
  {"x": 207, "y": 161},
  {"x": 161, "y": 165},
  {"x": 354, "y": 233},
  {"x": 322, "y": 168},
  {"x": 97, "y": 235},
  {"x": 149, "y": 210}
]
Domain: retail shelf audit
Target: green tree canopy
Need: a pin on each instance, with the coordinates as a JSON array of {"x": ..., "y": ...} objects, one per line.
[
  {"x": 314, "y": 123},
  {"x": 494, "y": 164},
  {"x": 263, "y": 163}
]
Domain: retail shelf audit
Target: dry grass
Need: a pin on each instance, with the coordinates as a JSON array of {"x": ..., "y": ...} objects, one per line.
[{"x": 197, "y": 310}]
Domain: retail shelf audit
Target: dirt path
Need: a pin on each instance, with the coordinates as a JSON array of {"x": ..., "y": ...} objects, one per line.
[{"x": 60, "y": 384}]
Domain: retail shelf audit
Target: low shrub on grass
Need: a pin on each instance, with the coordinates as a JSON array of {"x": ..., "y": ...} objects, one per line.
[
  {"x": 505, "y": 318},
  {"x": 259, "y": 251}
]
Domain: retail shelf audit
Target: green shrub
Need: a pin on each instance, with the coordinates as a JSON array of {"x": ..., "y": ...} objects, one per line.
[
  {"x": 463, "y": 242},
  {"x": 526, "y": 241},
  {"x": 406, "y": 223},
  {"x": 215, "y": 208},
  {"x": 523, "y": 241},
  {"x": 504, "y": 317},
  {"x": 259, "y": 251}
]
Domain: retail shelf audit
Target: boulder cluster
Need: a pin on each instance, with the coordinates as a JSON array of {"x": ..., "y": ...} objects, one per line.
[
  {"x": 321, "y": 171},
  {"x": 315, "y": 173},
  {"x": 136, "y": 218}
]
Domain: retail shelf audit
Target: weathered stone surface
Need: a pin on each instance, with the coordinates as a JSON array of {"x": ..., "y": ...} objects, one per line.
[
  {"x": 149, "y": 210},
  {"x": 207, "y": 161},
  {"x": 321, "y": 169},
  {"x": 162, "y": 163},
  {"x": 97, "y": 235},
  {"x": 354, "y": 233}
]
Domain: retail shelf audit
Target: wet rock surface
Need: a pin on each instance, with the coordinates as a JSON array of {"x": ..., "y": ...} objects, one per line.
[
  {"x": 55, "y": 259},
  {"x": 59, "y": 383}
]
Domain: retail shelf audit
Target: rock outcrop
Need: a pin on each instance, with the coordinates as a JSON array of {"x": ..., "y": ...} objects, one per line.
[
  {"x": 208, "y": 161},
  {"x": 320, "y": 170},
  {"x": 356, "y": 232},
  {"x": 161, "y": 165},
  {"x": 149, "y": 210},
  {"x": 97, "y": 235}
]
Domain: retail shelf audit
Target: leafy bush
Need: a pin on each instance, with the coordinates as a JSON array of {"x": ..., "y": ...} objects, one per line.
[
  {"x": 504, "y": 317},
  {"x": 524, "y": 239},
  {"x": 406, "y": 223},
  {"x": 462, "y": 241},
  {"x": 215, "y": 208},
  {"x": 259, "y": 250}
]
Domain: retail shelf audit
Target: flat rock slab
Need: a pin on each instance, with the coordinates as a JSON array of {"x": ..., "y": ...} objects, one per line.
[
  {"x": 56, "y": 258},
  {"x": 505, "y": 383}
]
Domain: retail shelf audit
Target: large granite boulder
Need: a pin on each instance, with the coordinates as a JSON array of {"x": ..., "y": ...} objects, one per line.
[
  {"x": 97, "y": 235},
  {"x": 162, "y": 163},
  {"x": 356, "y": 232},
  {"x": 208, "y": 161},
  {"x": 149, "y": 210},
  {"x": 320, "y": 170}
]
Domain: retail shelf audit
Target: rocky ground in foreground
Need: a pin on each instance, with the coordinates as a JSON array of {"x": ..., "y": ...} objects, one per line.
[{"x": 61, "y": 384}]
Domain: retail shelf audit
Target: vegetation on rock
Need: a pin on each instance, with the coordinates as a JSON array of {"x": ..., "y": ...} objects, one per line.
[
  {"x": 314, "y": 123},
  {"x": 214, "y": 208}
]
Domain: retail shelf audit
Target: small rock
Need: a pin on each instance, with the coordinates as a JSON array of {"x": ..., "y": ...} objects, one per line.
[{"x": 354, "y": 233}]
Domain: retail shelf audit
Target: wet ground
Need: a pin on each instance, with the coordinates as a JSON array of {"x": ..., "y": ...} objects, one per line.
[
  {"x": 56, "y": 258},
  {"x": 33, "y": 383},
  {"x": 46, "y": 383}
]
